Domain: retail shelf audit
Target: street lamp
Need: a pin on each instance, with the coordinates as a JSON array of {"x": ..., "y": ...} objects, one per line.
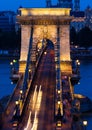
[
  {"x": 16, "y": 114},
  {"x": 29, "y": 70},
  {"x": 77, "y": 64},
  {"x": 16, "y": 103},
  {"x": 21, "y": 92},
  {"x": 85, "y": 124},
  {"x": 12, "y": 63}
]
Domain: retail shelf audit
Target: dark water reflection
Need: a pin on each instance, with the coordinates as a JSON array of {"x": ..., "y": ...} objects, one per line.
[
  {"x": 85, "y": 86},
  {"x": 6, "y": 88}
]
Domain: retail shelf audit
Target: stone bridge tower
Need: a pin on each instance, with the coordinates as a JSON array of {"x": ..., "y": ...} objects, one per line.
[{"x": 45, "y": 22}]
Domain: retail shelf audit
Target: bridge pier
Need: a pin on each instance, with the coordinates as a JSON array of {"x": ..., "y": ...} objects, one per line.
[
  {"x": 45, "y": 22},
  {"x": 25, "y": 37},
  {"x": 65, "y": 60}
]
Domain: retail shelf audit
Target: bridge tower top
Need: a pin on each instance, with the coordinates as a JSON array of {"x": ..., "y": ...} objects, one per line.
[
  {"x": 60, "y": 4},
  {"x": 44, "y": 16},
  {"x": 45, "y": 22},
  {"x": 45, "y": 11}
]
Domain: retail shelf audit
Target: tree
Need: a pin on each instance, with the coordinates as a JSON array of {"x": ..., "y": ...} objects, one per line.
[
  {"x": 84, "y": 37},
  {"x": 10, "y": 40},
  {"x": 73, "y": 36}
]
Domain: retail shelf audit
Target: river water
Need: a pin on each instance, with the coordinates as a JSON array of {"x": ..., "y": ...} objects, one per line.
[
  {"x": 85, "y": 85},
  {"x": 84, "y": 88},
  {"x": 6, "y": 86}
]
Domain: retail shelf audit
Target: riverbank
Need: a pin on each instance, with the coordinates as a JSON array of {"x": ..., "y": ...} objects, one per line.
[
  {"x": 83, "y": 103},
  {"x": 85, "y": 114},
  {"x": 4, "y": 100},
  {"x": 9, "y": 57}
]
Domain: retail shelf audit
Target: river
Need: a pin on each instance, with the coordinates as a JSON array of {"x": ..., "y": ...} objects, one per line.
[
  {"x": 84, "y": 88},
  {"x": 6, "y": 86},
  {"x": 85, "y": 85}
]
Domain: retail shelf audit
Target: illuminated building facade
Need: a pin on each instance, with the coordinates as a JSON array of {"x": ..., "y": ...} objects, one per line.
[
  {"x": 60, "y": 4},
  {"x": 76, "y": 5},
  {"x": 88, "y": 17},
  {"x": 46, "y": 20}
]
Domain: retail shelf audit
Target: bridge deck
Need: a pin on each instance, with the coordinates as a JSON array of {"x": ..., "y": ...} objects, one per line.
[{"x": 39, "y": 108}]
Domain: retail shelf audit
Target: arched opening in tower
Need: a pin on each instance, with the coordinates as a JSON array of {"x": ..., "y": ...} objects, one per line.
[{"x": 50, "y": 46}]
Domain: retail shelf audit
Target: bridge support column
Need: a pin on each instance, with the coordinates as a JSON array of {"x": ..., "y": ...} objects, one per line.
[
  {"x": 65, "y": 61},
  {"x": 25, "y": 37}
]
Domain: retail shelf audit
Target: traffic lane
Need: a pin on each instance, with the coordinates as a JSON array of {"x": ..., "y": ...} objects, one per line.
[
  {"x": 46, "y": 110},
  {"x": 48, "y": 88},
  {"x": 42, "y": 75}
]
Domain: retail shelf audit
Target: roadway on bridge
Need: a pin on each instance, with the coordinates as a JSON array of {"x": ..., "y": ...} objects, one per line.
[
  {"x": 39, "y": 114},
  {"x": 39, "y": 107}
]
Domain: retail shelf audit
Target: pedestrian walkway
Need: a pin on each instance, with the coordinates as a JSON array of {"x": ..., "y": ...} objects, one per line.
[
  {"x": 9, "y": 111},
  {"x": 68, "y": 121}
]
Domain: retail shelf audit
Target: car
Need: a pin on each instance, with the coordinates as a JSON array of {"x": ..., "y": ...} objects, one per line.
[
  {"x": 14, "y": 125},
  {"x": 58, "y": 125}
]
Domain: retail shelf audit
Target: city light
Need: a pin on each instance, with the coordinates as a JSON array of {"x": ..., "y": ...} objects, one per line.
[
  {"x": 58, "y": 102},
  {"x": 29, "y": 125},
  {"x": 11, "y": 63},
  {"x": 77, "y": 62},
  {"x": 14, "y": 61},
  {"x": 21, "y": 91},
  {"x": 52, "y": 105},
  {"x": 85, "y": 124},
  {"x": 29, "y": 70},
  {"x": 58, "y": 91},
  {"x": 16, "y": 102},
  {"x": 36, "y": 103},
  {"x": 45, "y": 52}
]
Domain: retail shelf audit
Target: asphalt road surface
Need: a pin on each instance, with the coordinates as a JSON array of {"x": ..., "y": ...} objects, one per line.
[{"x": 39, "y": 111}]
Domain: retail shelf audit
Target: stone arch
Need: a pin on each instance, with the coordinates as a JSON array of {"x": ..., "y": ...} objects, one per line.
[{"x": 50, "y": 43}]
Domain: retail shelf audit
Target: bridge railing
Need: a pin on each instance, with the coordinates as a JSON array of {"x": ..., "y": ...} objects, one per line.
[
  {"x": 23, "y": 101},
  {"x": 31, "y": 81},
  {"x": 6, "y": 111}
]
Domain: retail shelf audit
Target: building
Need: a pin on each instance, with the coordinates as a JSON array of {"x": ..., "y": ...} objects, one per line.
[
  {"x": 76, "y": 5},
  {"x": 88, "y": 17},
  {"x": 82, "y": 19},
  {"x": 79, "y": 20},
  {"x": 60, "y": 4},
  {"x": 7, "y": 21}
]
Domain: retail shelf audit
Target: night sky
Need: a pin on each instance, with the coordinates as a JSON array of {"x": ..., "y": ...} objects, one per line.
[{"x": 14, "y": 4}]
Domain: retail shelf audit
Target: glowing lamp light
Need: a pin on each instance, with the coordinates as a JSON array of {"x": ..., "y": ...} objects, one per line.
[
  {"x": 76, "y": 46},
  {"x": 16, "y": 102},
  {"x": 45, "y": 52},
  {"x": 21, "y": 91},
  {"x": 11, "y": 63},
  {"x": 78, "y": 63},
  {"x": 11, "y": 82},
  {"x": 14, "y": 61},
  {"x": 85, "y": 123},
  {"x": 58, "y": 91},
  {"x": 29, "y": 70},
  {"x": 58, "y": 102}
]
